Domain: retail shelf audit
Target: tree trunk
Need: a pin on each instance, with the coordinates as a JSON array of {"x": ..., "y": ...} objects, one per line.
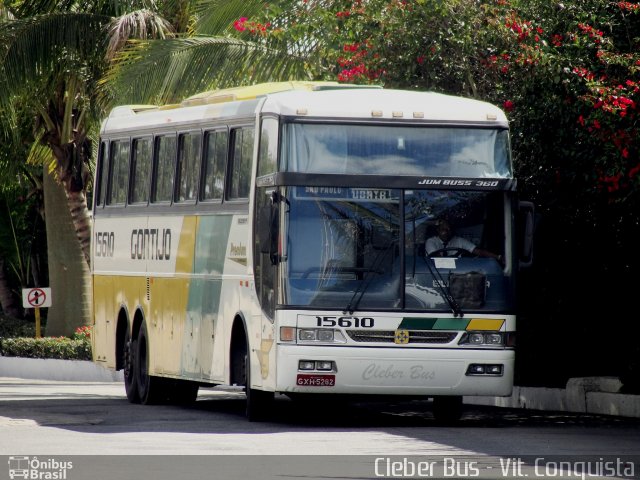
[
  {"x": 77, "y": 203},
  {"x": 69, "y": 276}
]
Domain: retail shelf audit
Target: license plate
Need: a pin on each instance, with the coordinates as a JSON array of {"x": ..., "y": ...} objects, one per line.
[{"x": 307, "y": 380}]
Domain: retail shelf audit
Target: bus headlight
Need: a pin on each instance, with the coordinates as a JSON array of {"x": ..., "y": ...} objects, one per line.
[
  {"x": 483, "y": 339},
  {"x": 320, "y": 335},
  {"x": 324, "y": 366},
  {"x": 306, "y": 365},
  {"x": 317, "y": 365},
  {"x": 325, "y": 335},
  {"x": 307, "y": 335},
  {"x": 311, "y": 335},
  {"x": 491, "y": 370}
]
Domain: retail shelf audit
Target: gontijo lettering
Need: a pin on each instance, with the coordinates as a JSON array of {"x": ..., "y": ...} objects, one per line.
[{"x": 151, "y": 244}]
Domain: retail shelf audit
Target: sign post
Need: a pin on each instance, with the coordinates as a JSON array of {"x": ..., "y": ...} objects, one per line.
[{"x": 36, "y": 298}]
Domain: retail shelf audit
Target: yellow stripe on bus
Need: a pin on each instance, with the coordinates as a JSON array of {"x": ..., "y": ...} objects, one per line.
[
  {"x": 186, "y": 247},
  {"x": 485, "y": 324}
]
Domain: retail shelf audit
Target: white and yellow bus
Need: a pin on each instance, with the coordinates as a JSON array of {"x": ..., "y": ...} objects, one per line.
[{"x": 274, "y": 237}]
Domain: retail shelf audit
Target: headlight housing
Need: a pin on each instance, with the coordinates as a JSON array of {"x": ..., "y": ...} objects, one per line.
[
  {"x": 483, "y": 339},
  {"x": 311, "y": 335}
]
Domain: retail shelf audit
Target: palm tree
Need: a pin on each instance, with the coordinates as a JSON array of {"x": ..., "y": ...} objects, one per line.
[
  {"x": 53, "y": 55},
  {"x": 51, "y": 58},
  {"x": 208, "y": 55}
]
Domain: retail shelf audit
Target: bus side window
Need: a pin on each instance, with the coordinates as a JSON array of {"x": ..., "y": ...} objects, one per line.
[
  {"x": 165, "y": 161},
  {"x": 140, "y": 170},
  {"x": 118, "y": 172},
  {"x": 103, "y": 163},
  {"x": 189, "y": 152},
  {"x": 268, "y": 151},
  {"x": 240, "y": 163},
  {"x": 215, "y": 159}
]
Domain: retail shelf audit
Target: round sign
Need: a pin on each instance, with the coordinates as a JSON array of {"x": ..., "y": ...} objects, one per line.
[{"x": 36, "y": 297}]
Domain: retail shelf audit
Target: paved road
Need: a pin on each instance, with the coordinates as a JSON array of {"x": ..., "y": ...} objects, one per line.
[{"x": 62, "y": 418}]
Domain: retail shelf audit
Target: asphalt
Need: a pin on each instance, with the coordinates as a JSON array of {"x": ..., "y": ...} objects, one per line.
[{"x": 592, "y": 395}]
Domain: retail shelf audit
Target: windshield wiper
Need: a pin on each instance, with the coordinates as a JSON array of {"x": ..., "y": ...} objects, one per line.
[
  {"x": 368, "y": 276},
  {"x": 444, "y": 289}
]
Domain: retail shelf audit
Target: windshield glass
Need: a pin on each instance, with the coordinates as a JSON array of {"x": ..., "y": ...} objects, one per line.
[
  {"x": 396, "y": 150},
  {"x": 344, "y": 249},
  {"x": 336, "y": 243}
]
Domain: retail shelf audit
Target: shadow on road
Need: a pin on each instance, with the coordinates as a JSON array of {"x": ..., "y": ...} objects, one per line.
[{"x": 221, "y": 411}]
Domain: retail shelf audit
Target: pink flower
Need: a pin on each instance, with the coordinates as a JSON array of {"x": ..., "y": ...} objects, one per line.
[
  {"x": 239, "y": 24},
  {"x": 508, "y": 105}
]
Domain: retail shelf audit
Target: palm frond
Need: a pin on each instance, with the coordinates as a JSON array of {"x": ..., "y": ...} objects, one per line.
[
  {"x": 8, "y": 125},
  {"x": 140, "y": 24},
  {"x": 165, "y": 71},
  {"x": 39, "y": 154},
  {"x": 6, "y": 14},
  {"x": 215, "y": 17},
  {"x": 30, "y": 48}
]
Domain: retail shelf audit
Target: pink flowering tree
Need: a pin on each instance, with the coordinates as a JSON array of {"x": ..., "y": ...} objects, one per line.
[
  {"x": 575, "y": 70},
  {"x": 568, "y": 76}
]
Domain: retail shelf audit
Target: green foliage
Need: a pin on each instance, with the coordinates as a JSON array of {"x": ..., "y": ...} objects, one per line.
[
  {"x": 204, "y": 57},
  {"x": 76, "y": 348},
  {"x": 62, "y": 348}
]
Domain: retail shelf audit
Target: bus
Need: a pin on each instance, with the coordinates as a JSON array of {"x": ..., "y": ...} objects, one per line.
[{"x": 273, "y": 237}]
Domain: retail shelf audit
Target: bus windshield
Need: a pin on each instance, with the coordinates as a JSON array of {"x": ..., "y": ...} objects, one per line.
[
  {"x": 396, "y": 150},
  {"x": 367, "y": 248}
]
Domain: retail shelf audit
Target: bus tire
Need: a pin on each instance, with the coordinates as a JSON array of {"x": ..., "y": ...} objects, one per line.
[
  {"x": 151, "y": 390},
  {"x": 447, "y": 410},
  {"x": 129, "y": 368},
  {"x": 259, "y": 403}
]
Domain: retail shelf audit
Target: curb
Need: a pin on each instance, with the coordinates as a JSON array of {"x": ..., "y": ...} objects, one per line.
[
  {"x": 58, "y": 370},
  {"x": 593, "y": 395}
]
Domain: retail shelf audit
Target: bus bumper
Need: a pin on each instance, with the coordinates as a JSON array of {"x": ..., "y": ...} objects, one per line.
[{"x": 394, "y": 371}]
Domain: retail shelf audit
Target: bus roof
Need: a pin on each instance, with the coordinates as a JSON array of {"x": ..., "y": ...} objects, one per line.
[
  {"x": 384, "y": 103},
  {"x": 307, "y": 99}
]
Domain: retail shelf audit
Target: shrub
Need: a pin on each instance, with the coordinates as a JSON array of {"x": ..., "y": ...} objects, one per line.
[{"x": 63, "y": 348}]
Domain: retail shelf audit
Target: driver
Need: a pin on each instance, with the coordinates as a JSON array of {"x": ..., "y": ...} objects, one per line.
[{"x": 445, "y": 240}]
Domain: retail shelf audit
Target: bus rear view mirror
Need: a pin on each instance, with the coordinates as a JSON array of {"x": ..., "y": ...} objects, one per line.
[
  {"x": 525, "y": 233},
  {"x": 264, "y": 228},
  {"x": 268, "y": 228}
]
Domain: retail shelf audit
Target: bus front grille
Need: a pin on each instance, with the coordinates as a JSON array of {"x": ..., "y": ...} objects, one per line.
[{"x": 388, "y": 336}]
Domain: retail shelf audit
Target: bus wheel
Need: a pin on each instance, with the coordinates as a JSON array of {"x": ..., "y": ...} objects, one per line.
[
  {"x": 259, "y": 403},
  {"x": 129, "y": 370},
  {"x": 150, "y": 389},
  {"x": 447, "y": 409}
]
